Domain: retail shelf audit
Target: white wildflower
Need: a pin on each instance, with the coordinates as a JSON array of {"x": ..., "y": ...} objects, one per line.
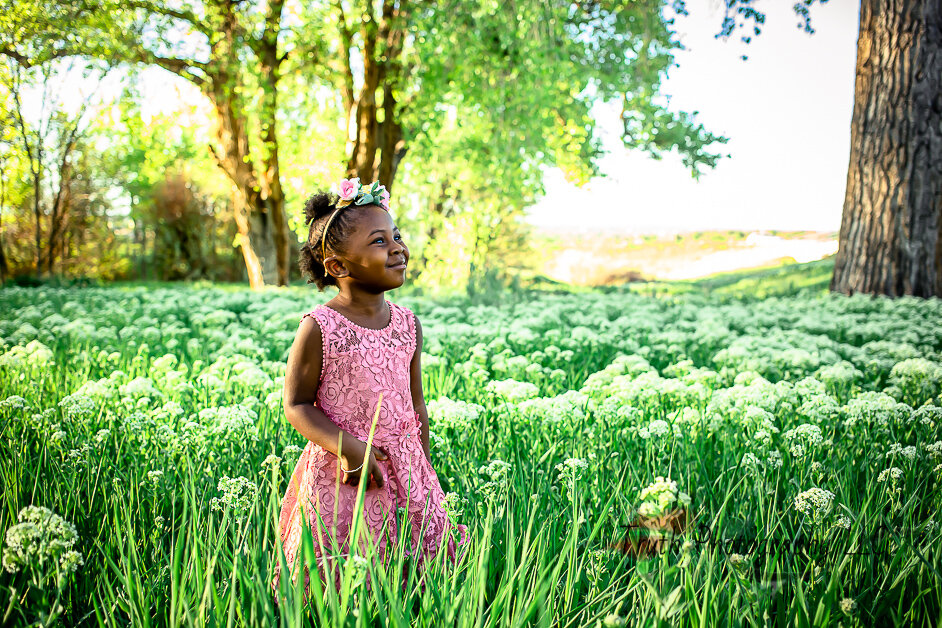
[
  {"x": 512, "y": 390},
  {"x": 658, "y": 427},
  {"x": 750, "y": 460},
  {"x": 848, "y": 606},
  {"x": 453, "y": 505},
  {"x": 815, "y": 502},
  {"x": 238, "y": 494},
  {"x": 892, "y": 474},
  {"x": 456, "y": 414},
  {"x": 571, "y": 470},
  {"x": 78, "y": 406},
  {"x": 658, "y": 496},
  {"x": 269, "y": 464},
  {"x": 41, "y": 541},
  {"x": 14, "y": 402}
]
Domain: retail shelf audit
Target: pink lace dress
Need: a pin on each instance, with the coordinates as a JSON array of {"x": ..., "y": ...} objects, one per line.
[{"x": 358, "y": 364}]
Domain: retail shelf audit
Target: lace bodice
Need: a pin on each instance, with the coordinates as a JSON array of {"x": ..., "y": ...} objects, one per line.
[{"x": 358, "y": 364}]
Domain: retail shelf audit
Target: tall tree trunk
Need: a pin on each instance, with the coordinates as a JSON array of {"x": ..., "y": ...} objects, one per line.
[
  {"x": 254, "y": 210},
  {"x": 4, "y": 265},
  {"x": 37, "y": 214},
  {"x": 260, "y": 211},
  {"x": 378, "y": 146},
  {"x": 61, "y": 205},
  {"x": 244, "y": 223},
  {"x": 271, "y": 192},
  {"x": 891, "y": 232}
]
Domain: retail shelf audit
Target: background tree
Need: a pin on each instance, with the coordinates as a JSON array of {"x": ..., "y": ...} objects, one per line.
[
  {"x": 179, "y": 203},
  {"x": 49, "y": 134},
  {"x": 486, "y": 94},
  {"x": 549, "y": 59},
  {"x": 890, "y": 239},
  {"x": 9, "y": 161},
  {"x": 234, "y": 52},
  {"x": 527, "y": 71}
]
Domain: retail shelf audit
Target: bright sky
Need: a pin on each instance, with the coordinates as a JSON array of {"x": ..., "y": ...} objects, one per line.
[{"x": 786, "y": 110}]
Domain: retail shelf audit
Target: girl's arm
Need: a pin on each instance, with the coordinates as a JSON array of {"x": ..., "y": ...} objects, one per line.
[
  {"x": 302, "y": 380},
  {"x": 418, "y": 398}
]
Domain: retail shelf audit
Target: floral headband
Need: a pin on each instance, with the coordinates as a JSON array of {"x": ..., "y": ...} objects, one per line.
[{"x": 352, "y": 192}]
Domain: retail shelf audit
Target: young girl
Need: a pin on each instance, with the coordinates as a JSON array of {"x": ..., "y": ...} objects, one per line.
[{"x": 346, "y": 353}]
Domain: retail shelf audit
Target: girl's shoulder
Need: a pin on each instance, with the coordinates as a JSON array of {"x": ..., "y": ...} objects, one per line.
[
  {"x": 402, "y": 308},
  {"x": 406, "y": 315}
]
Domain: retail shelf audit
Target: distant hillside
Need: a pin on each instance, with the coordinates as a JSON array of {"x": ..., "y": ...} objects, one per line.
[{"x": 608, "y": 259}]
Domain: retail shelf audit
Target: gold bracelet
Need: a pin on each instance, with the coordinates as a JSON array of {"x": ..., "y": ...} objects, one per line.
[{"x": 351, "y": 470}]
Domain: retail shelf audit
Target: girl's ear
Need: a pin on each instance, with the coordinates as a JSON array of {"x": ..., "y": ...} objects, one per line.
[{"x": 335, "y": 267}]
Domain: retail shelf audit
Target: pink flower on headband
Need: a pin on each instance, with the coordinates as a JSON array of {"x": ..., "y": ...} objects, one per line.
[
  {"x": 384, "y": 197},
  {"x": 349, "y": 188}
]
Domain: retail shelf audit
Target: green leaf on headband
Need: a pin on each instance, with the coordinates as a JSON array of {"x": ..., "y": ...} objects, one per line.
[
  {"x": 366, "y": 199},
  {"x": 374, "y": 188}
]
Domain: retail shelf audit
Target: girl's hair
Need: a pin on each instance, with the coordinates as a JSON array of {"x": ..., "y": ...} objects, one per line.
[{"x": 317, "y": 211}]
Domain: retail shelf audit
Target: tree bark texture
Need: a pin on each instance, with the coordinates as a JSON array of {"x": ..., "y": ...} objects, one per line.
[
  {"x": 891, "y": 232},
  {"x": 4, "y": 266},
  {"x": 378, "y": 145},
  {"x": 260, "y": 212}
]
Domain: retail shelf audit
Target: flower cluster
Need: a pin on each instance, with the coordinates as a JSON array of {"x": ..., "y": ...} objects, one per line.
[
  {"x": 498, "y": 473},
  {"x": 804, "y": 435},
  {"x": 41, "y": 541},
  {"x": 815, "y": 502},
  {"x": 455, "y": 414},
  {"x": 453, "y": 505},
  {"x": 14, "y": 402},
  {"x": 512, "y": 390},
  {"x": 657, "y": 498},
  {"x": 896, "y": 449},
  {"x": 238, "y": 494},
  {"x": 891, "y": 475},
  {"x": 571, "y": 470},
  {"x": 270, "y": 464}
]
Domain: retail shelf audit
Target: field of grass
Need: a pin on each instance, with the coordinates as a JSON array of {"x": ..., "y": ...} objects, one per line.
[{"x": 795, "y": 435}]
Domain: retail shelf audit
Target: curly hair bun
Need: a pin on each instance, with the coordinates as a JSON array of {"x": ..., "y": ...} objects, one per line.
[{"x": 318, "y": 206}]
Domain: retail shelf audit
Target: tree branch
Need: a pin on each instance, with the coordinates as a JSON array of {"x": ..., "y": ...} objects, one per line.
[
  {"x": 180, "y": 14},
  {"x": 26, "y": 63},
  {"x": 180, "y": 67}
]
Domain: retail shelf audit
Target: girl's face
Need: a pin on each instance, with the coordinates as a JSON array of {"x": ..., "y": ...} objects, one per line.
[{"x": 375, "y": 253}]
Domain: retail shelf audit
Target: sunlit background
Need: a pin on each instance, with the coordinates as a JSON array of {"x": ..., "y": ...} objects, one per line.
[{"x": 786, "y": 109}]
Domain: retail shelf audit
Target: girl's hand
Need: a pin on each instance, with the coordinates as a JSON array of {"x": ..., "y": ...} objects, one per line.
[{"x": 371, "y": 467}]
